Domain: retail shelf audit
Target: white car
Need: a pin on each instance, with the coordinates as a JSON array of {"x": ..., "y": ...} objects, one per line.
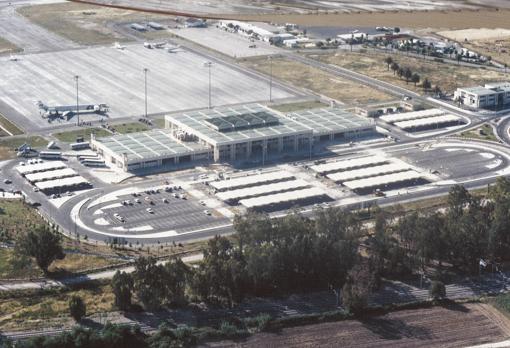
[
  {"x": 207, "y": 212},
  {"x": 36, "y": 189},
  {"x": 165, "y": 200},
  {"x": 138, "y": 201},
  {"x": 150, "y": 210},
  {"x": 202, "y": 203}
]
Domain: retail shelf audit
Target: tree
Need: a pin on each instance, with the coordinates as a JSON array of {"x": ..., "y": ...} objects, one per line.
[
  {"x": 396, "y": 30},
  {"x": 395, "y": 67},
  {"x": 408, "y": 74},
  {"x": 415, "y": 79},
  {"x": 148, "y": 282},
  {"x": 388, "y": 60},
  {"x": 175, "y": 276},
  {"x": 122, "y": 285},
  {"x": 77, "y": 308},
  {"x": 42, "y": 244},
  {"x": 437, "y": 290},
  {"x": 357, "y": 288},
  {"x": 426, "y": 84}
]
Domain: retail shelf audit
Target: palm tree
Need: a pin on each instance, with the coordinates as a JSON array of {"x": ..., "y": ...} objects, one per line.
[
  {"x": 394, "y": 67},
  {"x": 408, "y": 74},
  {"x": 388, "y": 61},
  {"x": 415, "y": 78},
  {"x": 426, "y": 84}
]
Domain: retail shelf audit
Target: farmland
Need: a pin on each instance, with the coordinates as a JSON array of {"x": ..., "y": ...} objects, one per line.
[{"x": 448, "y": 326}]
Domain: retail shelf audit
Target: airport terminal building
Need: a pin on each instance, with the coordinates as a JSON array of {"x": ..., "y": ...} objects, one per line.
[{"x": 230, "y": 134}]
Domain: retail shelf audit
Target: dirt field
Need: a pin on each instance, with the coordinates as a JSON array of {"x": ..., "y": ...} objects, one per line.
[
  {"x": 498, "y": 49},
  {"x": 410, "y": 19},
  {"x": 313, "y": 79},
  {"x": 85, "y": 24},
  {"x": 7, "y": 47},
  {"x": 447, "y": 76},
  {"x": 459, "y": 326}
]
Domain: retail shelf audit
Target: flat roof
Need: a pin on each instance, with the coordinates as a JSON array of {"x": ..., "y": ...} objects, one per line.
[
  {"x": 149, "y": 145},
  {"x": 40, "y": 167},
  {"x": 284, "y": 197},
  {"x": 66, "y": 182},
  {"x": 478, "y": 90},
  {"x": 349, "y": 164},
  {"x": 250, "y": 180},
  {"x": 330, "y": 120},
  {"x": 367, "y": 172},
  {"x": 382, "y": 180},
  {"x": 52, "y": 174},
  {"x": 262, "y": 190},
  {"x": 199, "y": 124},
  {"x": 427, "y": 121},
  {"x": 412, "y": 115}
]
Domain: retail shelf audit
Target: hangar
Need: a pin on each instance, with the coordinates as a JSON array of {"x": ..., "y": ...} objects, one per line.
[{"x": 231, "y": 133}]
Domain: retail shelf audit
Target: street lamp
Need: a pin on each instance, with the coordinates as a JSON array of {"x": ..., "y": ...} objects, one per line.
[
  {"x": 76, "y": 78},
  {"x": 209, "y": 64},
  {"x": 270, "y": 79},
  {"x": 145, "y": 71}
]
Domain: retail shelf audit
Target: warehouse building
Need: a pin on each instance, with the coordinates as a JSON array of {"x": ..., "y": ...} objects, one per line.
[{"x": 230, "y": 134}]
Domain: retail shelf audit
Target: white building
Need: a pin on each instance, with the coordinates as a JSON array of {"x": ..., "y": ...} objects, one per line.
[{"x": 492, "y": 95}]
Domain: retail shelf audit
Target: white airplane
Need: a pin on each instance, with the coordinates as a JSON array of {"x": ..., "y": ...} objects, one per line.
[
  {"x": 151, "y": 45},
  {"x": 173, "y": 49},
  {"x": 118, "y": 46}
]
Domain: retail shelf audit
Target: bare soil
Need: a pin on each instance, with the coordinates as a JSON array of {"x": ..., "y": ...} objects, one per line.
[
  {"x": 447, "y": 76},
  {"x": 453, "y": 19},
  {"x": 454, "y": 326},
  {"x": 83, "y": 23},
  {"x": 322, "y": 83},
  {"x": 7, "y": 47}
]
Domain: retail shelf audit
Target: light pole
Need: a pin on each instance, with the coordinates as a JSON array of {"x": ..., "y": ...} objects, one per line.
[
  {"x": 270, "y": 79},
  {"x": 76, "y": 78},
  {"x": 209, "y": 64},
  {"x": 145, "y": 71}
]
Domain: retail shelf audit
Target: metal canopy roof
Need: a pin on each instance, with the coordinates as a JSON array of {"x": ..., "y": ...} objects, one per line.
[
  {"x": 242, "y": 121},
  {"x": 251, "y": 180}
]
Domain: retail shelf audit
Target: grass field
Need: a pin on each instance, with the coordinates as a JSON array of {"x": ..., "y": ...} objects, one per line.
[
  {"x": 9, "y": 126},
  {"x": 447, "y": 76},
  {"x": 7, "y": 47},
  {"x": 449, "y": 326},
  {"x": 484, "y": 132},
  {"x": 304, "y": 76},
  {"x": 50, "y": 308},
  {"x": 9, "y": 144},
  {"x": 306, "y": 105},
  {"x": 82, "y": 23},
  {"x": 70, "y": 136},
  {"x": 125, "y": 128}
]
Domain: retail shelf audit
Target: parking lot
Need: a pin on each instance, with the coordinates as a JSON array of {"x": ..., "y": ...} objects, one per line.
[
  {"x": 175, "y": 81},
  {"x": 163, "y": 211}
]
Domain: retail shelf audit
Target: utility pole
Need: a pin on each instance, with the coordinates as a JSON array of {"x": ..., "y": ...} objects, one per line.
[
  {"x": 209, "y": 64},
  {"x": 76, "y": 78},
  {"x": 145, "y": 70},
  {"x": 270, "y": 79}
]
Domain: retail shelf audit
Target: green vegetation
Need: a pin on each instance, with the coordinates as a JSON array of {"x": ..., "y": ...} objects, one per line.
[
  {"x": 9, "y": 126},
  {"x": 502, "y": 303},
  {"x": 42, "y": 244},
  {"x": 299, "y": 106},
  {"x": 437, "y": 290},
  {"x": 70, "y": 136},
  {"x": 159, "y": 122},
  {"x": 485, "y": 132},
  {"x": 125, "y": 128},
  {"x": 77, "y": 308},
  {"x": 8, "y": 145}
]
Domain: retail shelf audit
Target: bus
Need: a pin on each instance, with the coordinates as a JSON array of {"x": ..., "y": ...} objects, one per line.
[
  {"x": 50, "y": 155},
  {"x": 93, "y": 163},
  {"x": 80, "y": 146}
]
